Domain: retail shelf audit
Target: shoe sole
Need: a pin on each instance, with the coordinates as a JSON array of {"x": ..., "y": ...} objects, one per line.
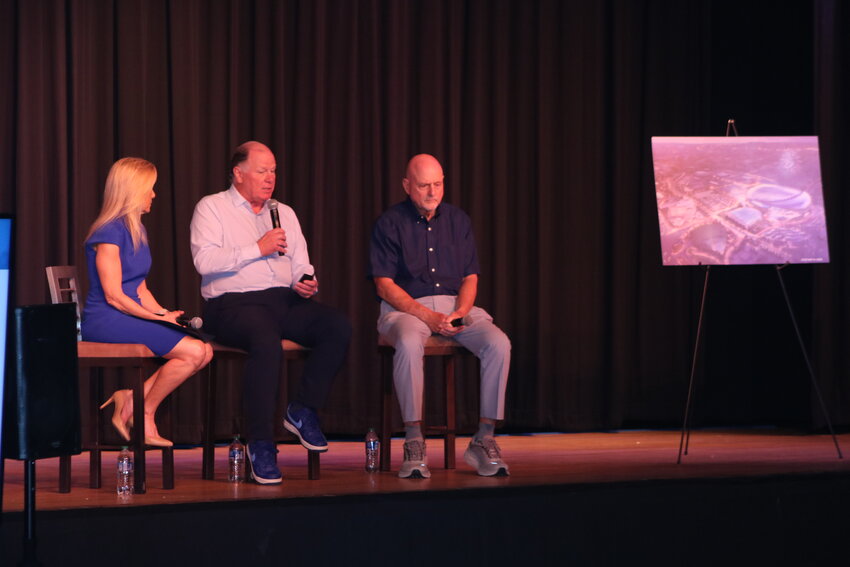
[
  {"x": 294, "y": 430},
  {"x": 258, "y": 479},
  {"x": 501, "y": 471},
  {"x": 415, "y": 473}
]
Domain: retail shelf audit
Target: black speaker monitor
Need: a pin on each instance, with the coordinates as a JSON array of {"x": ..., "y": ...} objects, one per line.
[{"x": 42, "y": 396}]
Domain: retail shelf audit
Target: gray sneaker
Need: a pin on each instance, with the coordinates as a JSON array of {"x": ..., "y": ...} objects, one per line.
[
  {"x": 485, "y": 457},
  {"x": 415, "y": 463}
]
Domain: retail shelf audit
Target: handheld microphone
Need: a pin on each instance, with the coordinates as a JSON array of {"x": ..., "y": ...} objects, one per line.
[
  {"x": 191, "y": 322},
  {"x": 275, "y": 216}
]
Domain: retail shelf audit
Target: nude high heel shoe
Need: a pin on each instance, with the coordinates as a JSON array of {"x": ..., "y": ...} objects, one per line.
[
  {"x": 152, "y": 436},
  {"x": 157, "y": 441},
  {"x": 120, "y": 399}
]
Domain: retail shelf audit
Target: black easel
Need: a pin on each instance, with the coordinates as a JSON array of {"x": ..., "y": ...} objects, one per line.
[{"x": 685, "y": 438}]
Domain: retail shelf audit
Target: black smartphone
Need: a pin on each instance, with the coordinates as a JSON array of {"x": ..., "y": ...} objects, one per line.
[
  {"x": 306, "y": 277},
  {"x": 457, "y": 322}
]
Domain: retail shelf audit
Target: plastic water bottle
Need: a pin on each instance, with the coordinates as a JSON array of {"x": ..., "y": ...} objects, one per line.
[
  {"x": 125, "y": 472},
  {"x": 236, "y": 460},
  {"x": 373, "y": 449}
]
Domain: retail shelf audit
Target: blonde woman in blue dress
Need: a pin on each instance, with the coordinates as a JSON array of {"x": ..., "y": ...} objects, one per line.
[{"x": 120, "y": 308}]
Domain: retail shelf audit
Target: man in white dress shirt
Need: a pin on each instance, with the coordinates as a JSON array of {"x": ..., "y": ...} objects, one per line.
[{"x": 258, "y": 284}]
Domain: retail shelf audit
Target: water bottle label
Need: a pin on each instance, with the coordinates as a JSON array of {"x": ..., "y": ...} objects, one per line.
[{"x": 372, "y": 445}]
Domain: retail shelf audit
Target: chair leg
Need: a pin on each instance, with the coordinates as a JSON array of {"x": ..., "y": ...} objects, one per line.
[
  {"x": 95, "y": 479},
  {"x": 386, "y": 410},
  {"x": 208, "y": 450},
  {"x": 65, "y": 474},
  {"x": 95, "y": 396},
  {"x": 313, "y": 471},
  {"x": 138, "y": 435},
  {"x": 313, "y": 457},
  {"x": 168, "y": 452},
  {"x": 168, "y": 468},
  {"x": 451, "y": 425}
]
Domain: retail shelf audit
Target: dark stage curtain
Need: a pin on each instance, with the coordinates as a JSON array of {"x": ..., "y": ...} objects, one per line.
[{"x": 541, "y": 113}]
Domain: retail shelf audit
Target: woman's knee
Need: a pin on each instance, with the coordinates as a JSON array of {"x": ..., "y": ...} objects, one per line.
[
  {"x": 208, "y": 355},
  {"x": 196, "y": 353}
]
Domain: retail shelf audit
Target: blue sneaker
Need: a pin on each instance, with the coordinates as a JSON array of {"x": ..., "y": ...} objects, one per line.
[
  {"x": 262, "y": 462},
  {"x": 304, "y": 424}
]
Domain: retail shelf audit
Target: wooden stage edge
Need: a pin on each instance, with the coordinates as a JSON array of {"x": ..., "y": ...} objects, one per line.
[
  {"x": 535, "y": 460},
  {"x": 741, "y": 497}
]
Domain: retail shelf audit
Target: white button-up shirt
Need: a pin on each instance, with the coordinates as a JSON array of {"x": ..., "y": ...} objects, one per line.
[{"x": 224, "y": 234}]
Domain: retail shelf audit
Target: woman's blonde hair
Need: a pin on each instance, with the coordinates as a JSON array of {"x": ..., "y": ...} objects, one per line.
[{"x": 125, "y": 194}]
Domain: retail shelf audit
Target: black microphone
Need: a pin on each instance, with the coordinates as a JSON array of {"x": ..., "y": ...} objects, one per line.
[
  {"x": 190, "y": 322},
  {"x": 275, "y": 217}
]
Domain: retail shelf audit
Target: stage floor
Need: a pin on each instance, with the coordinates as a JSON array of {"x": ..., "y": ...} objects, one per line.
[{"x": 534, "y": 460}]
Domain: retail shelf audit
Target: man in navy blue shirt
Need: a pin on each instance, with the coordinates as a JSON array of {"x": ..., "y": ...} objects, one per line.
[{"x": 425, "y": 268}]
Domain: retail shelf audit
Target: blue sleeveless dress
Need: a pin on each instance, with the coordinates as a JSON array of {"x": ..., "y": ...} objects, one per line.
[{"x": 103, "y": 323}]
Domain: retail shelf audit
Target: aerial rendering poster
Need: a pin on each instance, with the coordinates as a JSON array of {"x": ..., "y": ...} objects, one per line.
[{"x": 739, "y": 200}]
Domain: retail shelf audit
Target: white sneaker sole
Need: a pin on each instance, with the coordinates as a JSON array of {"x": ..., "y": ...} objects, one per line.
[
  {"x": 473, "y": 462},
  {"x": 257, "y": 479},
  {"x": 294, "y": 430},
  {"x": 415, "y": 473}
]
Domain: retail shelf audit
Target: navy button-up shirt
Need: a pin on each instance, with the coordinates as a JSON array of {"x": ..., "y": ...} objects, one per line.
[{"x": 423, "y": 257}]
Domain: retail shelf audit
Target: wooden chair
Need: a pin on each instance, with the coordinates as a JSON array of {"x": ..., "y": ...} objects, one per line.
[
  {"x": 436, "y": 345},
  {"x": 221, "y": 353},
  {"x": 94, "y": 357}
]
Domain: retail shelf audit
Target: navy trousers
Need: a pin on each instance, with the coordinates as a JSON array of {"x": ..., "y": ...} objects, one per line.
[{"x": 256, "y": 321}]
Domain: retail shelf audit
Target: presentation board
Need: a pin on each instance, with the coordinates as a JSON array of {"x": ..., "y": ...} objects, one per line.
[{"x": 739, "y": 200}]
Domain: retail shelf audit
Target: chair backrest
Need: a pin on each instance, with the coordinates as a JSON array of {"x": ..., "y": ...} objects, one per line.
[{"x": 62, "y": 281}]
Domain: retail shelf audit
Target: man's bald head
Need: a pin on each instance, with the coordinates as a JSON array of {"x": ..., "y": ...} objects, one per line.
[
  {"x": 421, "y": 162},
  {"x": 423, "y": 183}
]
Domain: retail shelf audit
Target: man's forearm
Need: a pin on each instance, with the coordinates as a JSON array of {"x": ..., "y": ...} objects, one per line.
[
  {"x": 393, "y": 294},
  {"x": 466, "y": 294},
  {"x": 399, "y": 299}
]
